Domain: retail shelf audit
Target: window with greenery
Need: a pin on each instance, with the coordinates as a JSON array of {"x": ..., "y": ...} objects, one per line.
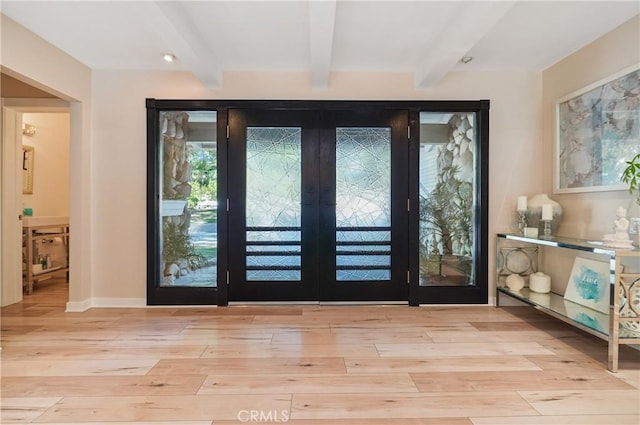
[
  {"x": 188, "y": 206},
  {"x": 446, "y": 198}
]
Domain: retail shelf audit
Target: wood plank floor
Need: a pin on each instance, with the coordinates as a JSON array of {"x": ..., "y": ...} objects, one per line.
[{"x": 306, "y": 365}]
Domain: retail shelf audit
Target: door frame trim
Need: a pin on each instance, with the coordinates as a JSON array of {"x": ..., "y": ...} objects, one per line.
[
  {"x": 477, "y": 294},
  {"x": 472, "y": 294},
  {"x": 176, "y": 295}
]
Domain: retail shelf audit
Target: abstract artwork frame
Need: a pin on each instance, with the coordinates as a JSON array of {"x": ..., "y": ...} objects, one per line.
[
  {"x": 597, "y": 128},
  {"x": 589, "y": 284}
]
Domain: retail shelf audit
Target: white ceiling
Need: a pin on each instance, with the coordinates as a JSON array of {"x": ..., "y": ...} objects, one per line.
[{"x": 425, "y": 38}]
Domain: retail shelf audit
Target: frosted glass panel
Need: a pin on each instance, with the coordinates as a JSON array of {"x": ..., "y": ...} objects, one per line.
[
  {"x": 372, "y": 235},
  {"x": 271, "y": 275},
  {"x": 273, "y": 260},
  {"x": 270, "y": 235},
  {"x": 273, "y": 203},
  {"x": 363, "y": 177},
  {"x": 363, "y": 275},
  {"x": 273, "y": 176},
  {"x": 357, "y": 260},
  {"x": 363, "y": 203},
  {"x": 271, "y": 248},
  {"x": 360, "y": 248}
]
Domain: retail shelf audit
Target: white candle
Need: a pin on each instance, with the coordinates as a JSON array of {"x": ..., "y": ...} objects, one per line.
[
  {"x": 531, "y": 232},
  {"x": 547, "y": 212},
  {"x": 522, "y": 203}
]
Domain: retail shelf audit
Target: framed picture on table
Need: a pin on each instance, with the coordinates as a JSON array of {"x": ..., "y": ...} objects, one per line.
[{"x": 589, "y": 284}]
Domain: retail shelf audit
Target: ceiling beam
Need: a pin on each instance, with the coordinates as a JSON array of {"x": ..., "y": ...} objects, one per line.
[
  {"x": 322, "y": 17},
  {"x": 175, "y": 29},
  {"x": 471, "y": 22}
]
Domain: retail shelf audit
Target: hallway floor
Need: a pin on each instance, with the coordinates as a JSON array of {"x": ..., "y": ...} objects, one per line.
[{"x": 306, "y": 365}]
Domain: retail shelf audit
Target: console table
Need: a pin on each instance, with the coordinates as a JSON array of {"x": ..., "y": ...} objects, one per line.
[
  {"x": 35, "y": 229},
  {"x": 610, "y": 326}
]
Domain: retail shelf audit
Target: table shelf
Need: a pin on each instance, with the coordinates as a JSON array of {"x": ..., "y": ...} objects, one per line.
[{"x": 609, "y": 326}]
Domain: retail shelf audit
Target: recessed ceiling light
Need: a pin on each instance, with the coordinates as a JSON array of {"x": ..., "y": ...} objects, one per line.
[
  {"x": 466, "y": 59},
  {"x": 169, "y": 57}
]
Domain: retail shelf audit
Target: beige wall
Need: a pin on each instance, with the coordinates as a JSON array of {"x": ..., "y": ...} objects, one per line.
[
  {"x": 31, "y": 59},
  {"x": 119, "y": 186},
  {"x": 108, "y": 149},
  {"x": 119, "y": 129},
  {"x": 587, "y": 215},
  {"x": 51, "y": 163}
]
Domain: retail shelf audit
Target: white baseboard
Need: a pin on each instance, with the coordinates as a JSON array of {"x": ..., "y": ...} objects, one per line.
[
  {"x": 78, "y": 306},
  {"x": 99, "y": 302},
  {"x": 119, "y": 302}
]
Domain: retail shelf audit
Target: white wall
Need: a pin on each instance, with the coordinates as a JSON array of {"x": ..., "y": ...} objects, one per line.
[
  {"x": 119, "y": 128},
  {"x": 587, "y": 215},
  {"x": 51, "y": 163}
]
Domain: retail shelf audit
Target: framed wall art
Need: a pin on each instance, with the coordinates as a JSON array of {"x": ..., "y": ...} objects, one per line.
[
  {"x": 28, "y": 153},
  {"x": 597, "y": 130}
]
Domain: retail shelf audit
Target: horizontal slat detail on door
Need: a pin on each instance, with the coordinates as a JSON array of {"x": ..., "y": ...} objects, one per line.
[
  {"x": 273, "y": 253},
  {"x": 363, "y": 253}
]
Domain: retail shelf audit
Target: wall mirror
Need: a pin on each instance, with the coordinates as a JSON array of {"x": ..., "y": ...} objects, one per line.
[{"x": 28, "y": 153}]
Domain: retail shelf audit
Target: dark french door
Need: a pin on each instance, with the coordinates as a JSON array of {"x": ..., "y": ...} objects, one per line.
[{"x": 317, "y": 205}]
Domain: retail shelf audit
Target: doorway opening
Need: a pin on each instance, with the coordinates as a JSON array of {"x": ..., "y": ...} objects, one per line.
[
  {"x": 35, "y": 181},
  {"x": 45, "y": 199}
]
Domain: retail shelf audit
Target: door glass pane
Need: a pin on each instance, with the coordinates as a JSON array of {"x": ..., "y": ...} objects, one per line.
[
  {"x": 363, "y": 203},
  {"x": 188, "y": 206},
  {"x": 273, "y": 203},
  {"x": 447, "y": 187}
]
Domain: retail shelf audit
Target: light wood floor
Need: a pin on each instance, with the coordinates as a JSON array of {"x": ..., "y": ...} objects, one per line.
[{"x": 306, "y": 365}]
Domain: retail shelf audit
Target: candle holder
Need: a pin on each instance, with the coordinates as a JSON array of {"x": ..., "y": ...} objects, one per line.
[
  {"x": 547, "y": 228},
  {"x": 522, "y": 222}
]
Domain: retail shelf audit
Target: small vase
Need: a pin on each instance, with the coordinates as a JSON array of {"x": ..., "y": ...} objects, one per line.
[
  {"x": 514, "y": 282},
  {"x": 534, "y": 212}
]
